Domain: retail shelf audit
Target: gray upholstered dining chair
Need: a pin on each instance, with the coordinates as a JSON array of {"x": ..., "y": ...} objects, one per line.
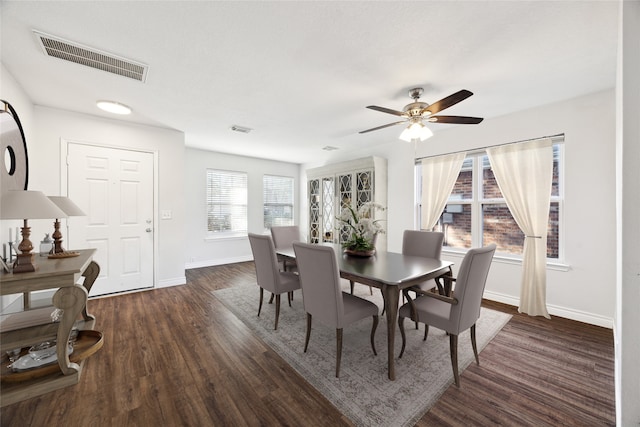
[
  {"x": 426, "y": 244},
  {"x": 323, "y": 298},
  {"x": 283, "y": 238},
  {"x": 456, "y": 313},
  {"x": 268, "y": 274}
]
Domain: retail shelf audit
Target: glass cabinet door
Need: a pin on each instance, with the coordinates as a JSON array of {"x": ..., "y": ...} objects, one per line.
[
  {"x": 329, "y": 196},
  {"x": 328, "y": 210},
  {"x": 314, "y": 211},
  {"x": 345, "y": 194}
]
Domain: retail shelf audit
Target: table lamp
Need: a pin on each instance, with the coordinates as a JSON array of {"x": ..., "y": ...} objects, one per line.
[
  {"x": 69, "y": 208},
  {"x": 25, "y": 205}
]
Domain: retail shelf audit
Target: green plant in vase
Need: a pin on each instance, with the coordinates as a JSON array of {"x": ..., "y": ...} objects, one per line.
[{"x": 363, "y": 228}]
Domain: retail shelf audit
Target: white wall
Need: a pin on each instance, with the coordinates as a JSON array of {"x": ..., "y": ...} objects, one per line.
[
  {"x": 627, "y": 337},
  {"x": 202, "y": 252},
  {"x": 11, "y": 92},
  {"x": 54, "y": 125},
  {"x": 46, "y": 127},
  {"x": 586, "y": 292}
]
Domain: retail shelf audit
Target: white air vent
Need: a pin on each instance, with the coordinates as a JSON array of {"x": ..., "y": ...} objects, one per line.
[
  {"x": 242, "y": 129},
  {"x": 90, "y": 57}
]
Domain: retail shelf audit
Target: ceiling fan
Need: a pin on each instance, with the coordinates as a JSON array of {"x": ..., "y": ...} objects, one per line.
[{"x": 417, "y": 112}]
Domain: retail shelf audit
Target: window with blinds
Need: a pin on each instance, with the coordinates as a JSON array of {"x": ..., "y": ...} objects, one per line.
[
  {"x": 278, "y": 200},
  {"x": 226, "y": 203}
]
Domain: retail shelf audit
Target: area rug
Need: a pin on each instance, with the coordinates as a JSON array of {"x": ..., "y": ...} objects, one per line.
[{"x": 363, "y": 392}]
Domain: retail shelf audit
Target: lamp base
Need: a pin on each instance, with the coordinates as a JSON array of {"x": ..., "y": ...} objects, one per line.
[{"x": 24, "y": 263}]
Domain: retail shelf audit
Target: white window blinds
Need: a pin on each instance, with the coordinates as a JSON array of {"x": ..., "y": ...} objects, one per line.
[
  {"x": 226, "y": 202},
  {"x": 278, "y": 200}
]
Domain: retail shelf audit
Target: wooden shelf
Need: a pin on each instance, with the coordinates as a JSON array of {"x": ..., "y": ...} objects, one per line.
[
  {"x": 87, "y": 343},
  {"x": 62, "y": 274}
]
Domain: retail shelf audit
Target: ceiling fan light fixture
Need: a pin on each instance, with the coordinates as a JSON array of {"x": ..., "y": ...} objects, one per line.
[
  {"x": 113, "y": 107},
  {"x": 416, "y": 130}
]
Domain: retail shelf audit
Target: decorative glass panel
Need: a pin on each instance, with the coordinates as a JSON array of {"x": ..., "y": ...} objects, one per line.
[
  {"x": 314, "y": 211},
  {"x": 328, "y": 211},
  {"x": 346, "y": 195}
]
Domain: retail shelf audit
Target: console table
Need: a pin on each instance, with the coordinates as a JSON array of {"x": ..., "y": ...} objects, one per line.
[{"x": 62, "y": 273}]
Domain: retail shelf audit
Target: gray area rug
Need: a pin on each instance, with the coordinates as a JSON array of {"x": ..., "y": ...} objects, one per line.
[{"x": 363, "y": 392}]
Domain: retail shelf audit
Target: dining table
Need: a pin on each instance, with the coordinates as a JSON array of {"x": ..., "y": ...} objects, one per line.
[{"x": 391, "y": 272}]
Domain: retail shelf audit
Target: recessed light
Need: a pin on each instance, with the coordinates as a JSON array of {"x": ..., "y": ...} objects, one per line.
[
  {"x": 329, "y": 148},
  {"x": 113, "y": 107}
]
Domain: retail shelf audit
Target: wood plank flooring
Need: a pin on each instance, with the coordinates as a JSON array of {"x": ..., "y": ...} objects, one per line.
[{"x": 178, "y": 357}]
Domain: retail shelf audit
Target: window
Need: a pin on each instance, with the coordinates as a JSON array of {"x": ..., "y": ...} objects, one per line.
[
  {"x": 226, "y": 203},
  {"x": 476, "y": 213},
  {"x": 278, "y": 200}
]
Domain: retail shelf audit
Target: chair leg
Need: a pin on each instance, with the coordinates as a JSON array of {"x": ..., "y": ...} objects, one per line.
[
  {"x": 306, "y": 338},
  {"x": 351, "y": 285},
  {"x": 383, "y": 302},
  {"x": 426, "y": 332},
  {"x": 260, "y": 304},
  {"x": 404, "y": 337},
  {"x": 373, "y": 334},
  {"x": 290, "y": 297},
  {"x": 271, "y": 299},
  {"x": 277, "y": 310},
  {"x": 453, "y": 347},
  {"x": 338, "y": 351},
  {"x": 473, "y": 343},
  {"x": 370, "y": 290}
]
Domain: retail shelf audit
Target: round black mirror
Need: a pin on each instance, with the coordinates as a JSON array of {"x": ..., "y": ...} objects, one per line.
[{"x": 14, "y": 174}]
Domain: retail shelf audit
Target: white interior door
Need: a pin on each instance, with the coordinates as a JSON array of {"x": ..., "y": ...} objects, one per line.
[{"x": 114, "y": 187}]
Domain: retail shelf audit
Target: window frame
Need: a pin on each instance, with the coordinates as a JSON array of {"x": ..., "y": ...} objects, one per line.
[
  {"x": 293, "y": 199},
  {"x": 232, "y": 233},
  {"x": 477, "y": 201}
]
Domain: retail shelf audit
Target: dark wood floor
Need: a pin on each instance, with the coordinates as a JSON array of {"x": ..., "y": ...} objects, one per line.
[{"x": 177, "y": 356}]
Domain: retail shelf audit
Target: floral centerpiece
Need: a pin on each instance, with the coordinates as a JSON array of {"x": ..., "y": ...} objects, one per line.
[{"x": 362, "y": 227}]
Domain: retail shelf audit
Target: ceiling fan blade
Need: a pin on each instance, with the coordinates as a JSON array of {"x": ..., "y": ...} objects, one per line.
[
  {"x": 464, "y": 120},
  {"x": 448, "y": 101},
  {"x": 383, "y": 126},
  {"x": 387, "y": 110}
]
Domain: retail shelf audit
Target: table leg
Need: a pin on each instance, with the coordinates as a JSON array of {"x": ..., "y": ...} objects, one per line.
[
  {"x": 90, "y": 275},
  {"x": 71, "y": 299},
  {"x": 391, "y": 298}
]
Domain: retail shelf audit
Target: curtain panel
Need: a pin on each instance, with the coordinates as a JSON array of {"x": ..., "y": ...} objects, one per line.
[
  {"x": 524, "y": 174},
  {"x": 439, "y": 175}
]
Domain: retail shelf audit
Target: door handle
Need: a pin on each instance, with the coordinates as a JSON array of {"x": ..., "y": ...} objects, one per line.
[{"x": 148, "y": 230}]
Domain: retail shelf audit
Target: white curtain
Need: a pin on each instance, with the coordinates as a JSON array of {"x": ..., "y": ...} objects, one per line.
[
  {"x": 524, "y": 173},
  {"x": 439, "y": 175}
]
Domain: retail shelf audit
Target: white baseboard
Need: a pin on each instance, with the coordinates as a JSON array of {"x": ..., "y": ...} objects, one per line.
[
  {"x": 172, "y": 282},
  {"x": 219, "y": 261},
  {"x": 555, "y": 310}
]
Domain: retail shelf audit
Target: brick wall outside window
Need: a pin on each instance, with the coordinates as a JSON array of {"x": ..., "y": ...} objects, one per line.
[{"x": 498, "y": 224}]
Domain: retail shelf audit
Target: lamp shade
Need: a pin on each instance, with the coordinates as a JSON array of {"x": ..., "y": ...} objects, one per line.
[
  {"x": 27, "y": 204},
  {"x": 67, "y": 206},
  {"x": 416, "y": 130}
]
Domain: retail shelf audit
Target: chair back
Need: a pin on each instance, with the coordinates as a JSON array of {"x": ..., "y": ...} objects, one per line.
[
  {"x": 469, "y": 288},
  {"x": 426, "y": 244},
  {"x": 284, "y": 236},
  {"x": 264, "y": 257},
  {"x": 320, "y": 282}
]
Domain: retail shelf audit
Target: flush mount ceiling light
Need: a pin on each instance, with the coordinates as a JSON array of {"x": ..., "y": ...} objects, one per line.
[{"x": 113, "y": 107}]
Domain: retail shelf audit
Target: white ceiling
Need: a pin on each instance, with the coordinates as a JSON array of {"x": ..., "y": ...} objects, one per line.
[{"x": 301, "y": 73}]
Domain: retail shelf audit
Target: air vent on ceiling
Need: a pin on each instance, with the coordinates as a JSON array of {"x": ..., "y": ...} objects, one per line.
[
  {"x": 242, "y": 129},
  {"x": 90, "y": 57}
]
